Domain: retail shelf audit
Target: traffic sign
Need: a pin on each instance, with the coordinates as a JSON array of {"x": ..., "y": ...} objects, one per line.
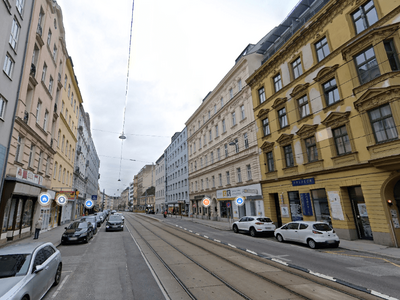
[
  {"x": 239, "y": 201},
  {"x": 44, "y": 199},
  {"x": 61, "y": 199},
  {"x": 228, "y": 204},
  {"x": 206, "y": 202},
  {"x": 94, "y": 197},
  {"x": 89, "y": 203}
]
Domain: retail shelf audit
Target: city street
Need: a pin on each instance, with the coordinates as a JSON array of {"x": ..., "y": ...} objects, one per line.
[{"x": 111, "y": 265}]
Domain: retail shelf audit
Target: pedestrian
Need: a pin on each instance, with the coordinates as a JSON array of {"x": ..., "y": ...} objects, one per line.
[
  {"x": 38, "y": 226},
  {"x": 165, "y": 213}
]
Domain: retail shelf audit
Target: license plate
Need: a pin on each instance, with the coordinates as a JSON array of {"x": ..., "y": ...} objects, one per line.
[
  {"x": 73, "y": 238},
  {"x": 267, "y": 227},
  {"x": 331, "y": 242}
]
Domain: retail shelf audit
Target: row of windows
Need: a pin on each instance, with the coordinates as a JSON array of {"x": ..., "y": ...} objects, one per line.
[
  {"x": 177, "y": 174},
  {"x": 382, "y": 124},
  {"x": 195, "y": 186},
  {"x": 63, "y": 175},
  {"x": 178, "y": 196},
  {"x": 177, "y": 185},
  {"x": 32, "y": 156},
  {"x": 215, "y": 109},
  {"x": 68, "y": 150}
]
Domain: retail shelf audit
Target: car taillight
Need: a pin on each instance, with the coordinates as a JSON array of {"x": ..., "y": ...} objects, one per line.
[
  {"x": 259, "y": 223},
  {"x": 316, "y": 232},
  {"x": 333, "y": 231}
]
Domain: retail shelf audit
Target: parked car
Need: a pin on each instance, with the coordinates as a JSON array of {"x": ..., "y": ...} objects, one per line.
[
  {"x": 101, "y": 216},
  {"x": 254, "y": 225},
  {"x": 29, "y": 270},
  {"x": 78, "y": 232},
  {"x": 115, "y": 222},
  {"x": 121, "y": 215},
  {"x": 92, "y": 220},
  {"x": 150, "y": 211},
  {"x": 113, "y": 211},
  {"x": 308, "y": 232}
]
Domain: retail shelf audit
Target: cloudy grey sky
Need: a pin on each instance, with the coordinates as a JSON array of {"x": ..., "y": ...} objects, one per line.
[{"x": 180, "y": 50}]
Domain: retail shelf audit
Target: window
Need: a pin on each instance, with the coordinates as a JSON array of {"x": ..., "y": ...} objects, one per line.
[
  {"x": 69, "y": 90},
  {"x": 230, "y": 93},
  {"x": 72, "y": 98},
  {"x": 218, "y": 154},
  {"x": 364, "y": 16},
  {"x": 297, "y": 68},
  {"x": 288, "y": 156},
  {"x": 220, "y": 179},
  {"x": 59, "y": 173},
  {"x": 2, "y": 107},
  {"x": 8, "y": 65},
  {"x": 55, "y": 53},
  {"x": 40, "y": 161},
  {"x": 270, "y": 162},
  {"x": 322, "y": 49},
  {"x": 213, "y": 181},
  {"x": 209, "y": 115},
  {"x": 206, "y": 160},
  {"x": 210, "y": 135},
  {"x": 201, "y": 162},
  {"x": 223, "y": 126},
  {"x": 215, "y": 108},
  {"x": 199, "y": 143},
  {"x": 49, "y": 38},
  {"x": 31, "y": 156},
  {"x": 392, "y": 55},
  {"x": 15, "y": 29},
  {"x": 277, "y": 82},
  {"x": 265, "y": 124},
  {"x": 38, "y": 108},
  {"x": 46, "y": 117},
  {"x": 342, "y": 141},
  {"x": 304, "y": 109},
  {"x": 261, "y": 95},
  {"x": 44, "y": 72},
  {"x": 202, "y": 185},
  {"x": 51, "y": 81},
  {"x": 18, "y": 149},
  {"x": 246, "y": 141},
  {"x": 331, "y": 92},
  {"x": 242, "y": 112},
  {"x": 283, "y": 122},
  {"x": 239, "y": 174},
  {"x": 311, "y": 147},
  {"x": 65, "y": 81},
  {"x": 249, "y": 176},
  {"x": 20, "y": 6},
  {"x": 236, "y": 145},
  {"x": 367, "y": 66},
  {"x": 228, "y": 178},
  {"x": 216, "y": 131},
  {"x": 383, "y": 124},
  {"x": 55, "y": 170},
  {"x": 222, "y": 102},
  {"x": 212, "y": 157},
  {"x": 233, "y": 119},
  {"x": 226, "y": 150}
]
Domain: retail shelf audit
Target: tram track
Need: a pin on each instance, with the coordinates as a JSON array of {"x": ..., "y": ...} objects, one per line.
[{"x": 257, "y": 277}]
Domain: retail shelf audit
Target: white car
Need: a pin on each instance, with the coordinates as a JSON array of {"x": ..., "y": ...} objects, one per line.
[
  {"x": 308, "y": 232},
  {"x": 254, "y": 225}
]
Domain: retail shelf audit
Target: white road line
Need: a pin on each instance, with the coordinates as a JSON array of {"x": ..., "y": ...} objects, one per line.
[
  {"x": 375, "y": 293},
  {"x": 323, "y": 276},
  {"x": 205, "y": 236},
  {"x": 252, "y": 252},
  {"x": 233, "y": 246},
  {"x": 184, "y": 228},
  {"x": 275, "y": 256},
  {"x": 280, "y": 262},
  {"x": 197, "y": 233},
  {"x": 217, "y": 241},
  {"x": 60, "y": 287},
  {"x": 190, "y": 231}
]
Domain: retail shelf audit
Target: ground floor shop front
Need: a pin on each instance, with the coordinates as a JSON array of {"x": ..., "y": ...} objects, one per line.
[{"x": 359, "y": 204}]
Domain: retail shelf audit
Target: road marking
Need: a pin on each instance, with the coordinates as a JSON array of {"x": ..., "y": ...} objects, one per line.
[
  {"x": 217, "y": 241},
  {"x": 275, "y": 256},
  {"x": 252, "y": 252},
  {"x": 233, "y": 246},
  {"x": 362, "y": 256},
  {"x": 190, "y": 231},
  {"x": 280, "y": 262},
  {"x": 382, "y": 295},
  {"x": 60, "y": 287},
  {"x": 322, "y": 276},
  {"x": 205, "y": 236},
  {"x": 185, "y": 228},
  {"x": 197, "y": 233}
]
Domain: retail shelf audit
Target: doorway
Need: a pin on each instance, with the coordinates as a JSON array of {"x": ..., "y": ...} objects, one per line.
[
  {"x": 277, "y": 209},
  {"x": 360, "y": 213}
]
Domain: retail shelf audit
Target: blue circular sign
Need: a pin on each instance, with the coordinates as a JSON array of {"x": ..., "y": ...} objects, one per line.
[
  {"x": 89, "y": 203},
  {"x": 239, "y": 201},
  {"x": 44, "y": 199},
  {"x": 61, "y": 199}
]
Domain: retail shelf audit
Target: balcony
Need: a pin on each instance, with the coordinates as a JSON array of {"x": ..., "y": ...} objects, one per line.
[
  {"x": 32, "y": 75},
  {"x": 26, "y": 117},
  {"x": 39, "y": 32},
  {"x": 59, "y": 83}
]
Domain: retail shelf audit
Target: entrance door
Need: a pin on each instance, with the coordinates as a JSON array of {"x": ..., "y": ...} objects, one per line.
[
  {"x": 360, "y": 213},
  {"x": 277, "y": 209},
  {"x": 11, "y": 217}
]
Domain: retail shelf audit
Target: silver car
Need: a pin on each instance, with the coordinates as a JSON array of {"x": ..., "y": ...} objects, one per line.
[{"x": 29, "y": 270}]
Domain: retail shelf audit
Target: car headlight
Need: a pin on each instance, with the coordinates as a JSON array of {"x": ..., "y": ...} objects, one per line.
[{"x": 122, "y": 225}]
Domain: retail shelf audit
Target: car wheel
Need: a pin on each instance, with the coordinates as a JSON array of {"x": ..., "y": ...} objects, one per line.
[
  {"x": 279, "y": 238},
  {"x": 336, "y": 245},
  {"x": 86, "y": 240},
  {"x": 57, "y": 278},
  {"x": 311, "y": 243},
  {"x": 25, "y": 297},
  {"x": 253, "y": 232},
  {"x": 235, "y": 229}
]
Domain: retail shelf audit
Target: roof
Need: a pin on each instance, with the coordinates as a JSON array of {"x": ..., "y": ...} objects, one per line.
[{"x": 22, "y": 248}]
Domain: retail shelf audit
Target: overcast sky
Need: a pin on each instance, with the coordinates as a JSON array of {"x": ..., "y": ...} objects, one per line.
[{"x": 181, "y": 49}]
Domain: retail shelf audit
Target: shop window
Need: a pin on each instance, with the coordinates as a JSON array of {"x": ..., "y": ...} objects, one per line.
[
  {"x": 311, "y": 147},
  {"x": 342, "y": 141},
  {"x": 6, "y": 216},
  {"x": 321, "y": 207},
  {"x": 383, "y": 124},
  {"x": 19, "y": 211},
  {"x": 331, "y": 92},
  {"x": 365, "y": 16},
  {"x": 295, "y": 206},
  {"x": 367, "y": 66},
  {"x": 322, "y": 49},
  {"x": 392, "y": 55}
]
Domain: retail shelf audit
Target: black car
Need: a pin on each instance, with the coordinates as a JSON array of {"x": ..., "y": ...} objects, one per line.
[
  {"x": 115, "y": 222},
  {"x": 77, "y": 232},
  {"x": 92, "y": 219}
]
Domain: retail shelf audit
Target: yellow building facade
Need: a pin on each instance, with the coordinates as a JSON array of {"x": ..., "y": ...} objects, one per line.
[
  {"x": 326, "y": 103},
  {"x": 62, "y": 179}
]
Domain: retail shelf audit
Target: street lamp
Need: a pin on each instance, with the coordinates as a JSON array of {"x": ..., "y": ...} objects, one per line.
[{"x": 122, "y": 136}]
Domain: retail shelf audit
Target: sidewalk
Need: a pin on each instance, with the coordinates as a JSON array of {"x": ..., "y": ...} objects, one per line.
[{"x": 365, "y": 246}]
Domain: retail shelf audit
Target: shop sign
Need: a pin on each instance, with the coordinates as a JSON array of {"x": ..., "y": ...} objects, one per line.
[
  {"x": 306, "y": 204},
  {"x": 243, "y": 191},
  {"x": 306, "y": 181},
  {"x": 29, "y": 176},
  {"x": 69, "y": 194}
]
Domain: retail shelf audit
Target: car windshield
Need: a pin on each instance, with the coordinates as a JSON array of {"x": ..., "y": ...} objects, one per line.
[
  {"x": 264, "y": 219},
  {"x": 115, "y": 218},
  {"x": 14, "y": 265},
  {"x": 322, "y": 227},
  {"x": 77, "y": 225}
]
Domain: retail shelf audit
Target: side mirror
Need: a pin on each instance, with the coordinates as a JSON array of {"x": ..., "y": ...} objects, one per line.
[
  {"x": 38, "y": 268},
  {"x": 66, "y": 227}
]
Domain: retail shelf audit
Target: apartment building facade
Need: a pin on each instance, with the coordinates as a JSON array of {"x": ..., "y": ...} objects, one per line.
[
  {"x": 222, "y": 147},
  {"x": 146, "y": 188},
  {"x": 160, "y": 185},
  {"x": 326, "y": 102}
]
